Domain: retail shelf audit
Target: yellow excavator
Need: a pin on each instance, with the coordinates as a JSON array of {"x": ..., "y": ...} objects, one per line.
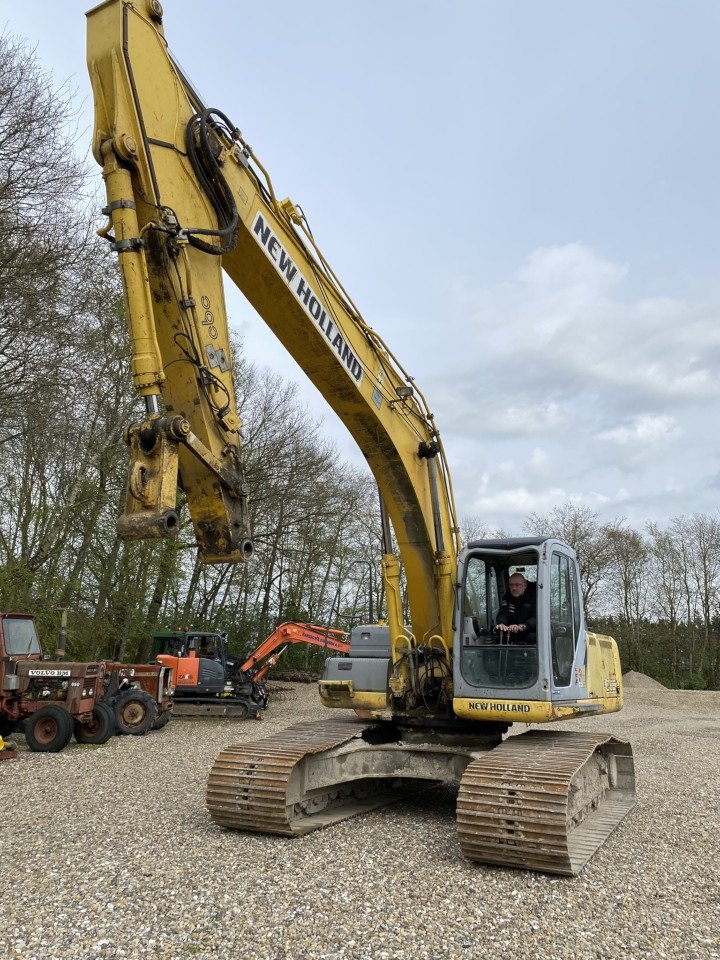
[{"x": 429, "y": 700}]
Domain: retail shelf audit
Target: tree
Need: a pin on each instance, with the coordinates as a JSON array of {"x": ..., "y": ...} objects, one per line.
[
  {"x": 579, "y": 527},
  {"x": 473, "y": 528},
  {"x": 43, "y": 229},
  {"x": 667, "y": 591},
  {"x": 627, "y": 591}
]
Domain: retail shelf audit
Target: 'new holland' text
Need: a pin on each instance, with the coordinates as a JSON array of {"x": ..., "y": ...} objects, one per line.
[{"x": 306, "y": 296}]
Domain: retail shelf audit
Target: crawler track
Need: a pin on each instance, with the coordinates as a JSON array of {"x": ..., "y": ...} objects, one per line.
[
  {"x": 540, "y": 801},
  {"x": 259, "y": 786},
  {"x": 545, "y": 800}
]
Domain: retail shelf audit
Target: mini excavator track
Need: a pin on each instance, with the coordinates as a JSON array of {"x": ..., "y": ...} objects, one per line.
[{"x": 540, "y": 801}]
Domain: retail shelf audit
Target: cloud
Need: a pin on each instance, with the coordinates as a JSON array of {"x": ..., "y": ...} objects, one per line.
[
  {"x": 513, "y": 505},
  {"x": 467, "y": 408},
  {"x": 540, "y": 463},
  {"x": 516, "y": 487},
  {"x": 517, "y": 502},
  {"x": 571, "y": 267},
  {"x": 564, "y": 325},
  {"x": 644, "y": 431},
  {"x": 593, "y": 393},
  {"x": 638, "y": 440}
]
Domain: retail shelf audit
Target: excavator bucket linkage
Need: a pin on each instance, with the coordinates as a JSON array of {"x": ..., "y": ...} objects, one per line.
[{"x": 541, "y": 801}]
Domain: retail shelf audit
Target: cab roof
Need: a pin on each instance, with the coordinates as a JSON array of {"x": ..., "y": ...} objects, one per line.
[{"x": 508, "y": 543}]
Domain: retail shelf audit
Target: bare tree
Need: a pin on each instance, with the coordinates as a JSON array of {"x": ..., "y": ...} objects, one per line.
[
  {"x": 43, "y": 227},
  {"x": 667, "y": 591},
  {"x": 628, "y": 589},
  {"x": 473, "y": 528},
  {"x": 579, "y": 527}
]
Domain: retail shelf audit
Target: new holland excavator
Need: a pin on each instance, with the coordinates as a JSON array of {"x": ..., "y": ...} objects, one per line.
[{"x": 431, "y": 700}]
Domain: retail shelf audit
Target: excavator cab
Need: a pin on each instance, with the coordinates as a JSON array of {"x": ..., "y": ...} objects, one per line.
[
  {"x": 553, "y": 667},
  {"x": 197, "y": 659},
  {"x": 491, "y": 656},
  {"x": 549, "y": 668}
]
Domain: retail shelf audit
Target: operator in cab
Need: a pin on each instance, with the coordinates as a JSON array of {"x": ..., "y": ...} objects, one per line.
[{"x": 517, "y": 618}]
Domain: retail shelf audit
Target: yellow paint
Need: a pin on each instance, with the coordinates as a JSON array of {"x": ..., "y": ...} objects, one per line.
[{"x": 604, "y": 673}]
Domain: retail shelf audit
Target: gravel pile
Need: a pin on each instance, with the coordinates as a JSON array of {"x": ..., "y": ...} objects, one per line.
[
  {"x": 634, "y": 678},
  {"x": 109, "y": 852}
]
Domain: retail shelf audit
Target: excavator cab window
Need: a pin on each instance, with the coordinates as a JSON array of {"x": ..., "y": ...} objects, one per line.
[
  {"x": 205, "y": 646},
  {"x": 167, "y": 645},
  {"x": 565, "y": 617},
  {"x": 482, "y": 597},
  {"x": 489, "y": 658}
]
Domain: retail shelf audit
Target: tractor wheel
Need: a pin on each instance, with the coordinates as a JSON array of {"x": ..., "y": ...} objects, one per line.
[
  {"x": 99, "y": 729},
  {"x": 135, "y": 712},
  {"x": 49, "y": 729},
  {"x": 162, "y": 719}
]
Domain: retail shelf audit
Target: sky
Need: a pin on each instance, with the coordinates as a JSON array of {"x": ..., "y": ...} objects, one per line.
[{"x": 522, "y": 198}]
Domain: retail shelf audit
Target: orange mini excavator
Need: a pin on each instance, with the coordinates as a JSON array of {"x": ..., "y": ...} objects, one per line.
[{"x": 210, "y": 682}]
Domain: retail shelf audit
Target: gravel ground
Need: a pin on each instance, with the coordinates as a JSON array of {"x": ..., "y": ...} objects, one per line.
[{"x": 109, "y": 852}]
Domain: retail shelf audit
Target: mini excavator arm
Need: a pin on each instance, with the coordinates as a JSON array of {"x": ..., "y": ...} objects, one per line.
[
  {"x": 187, "y": 198},
  {"x": 329, "y": 639}
]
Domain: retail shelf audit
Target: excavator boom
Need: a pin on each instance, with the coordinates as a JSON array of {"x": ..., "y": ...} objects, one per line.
[
  {"x": 336, "y": 641},
  {"x": 187, "y": 198}
]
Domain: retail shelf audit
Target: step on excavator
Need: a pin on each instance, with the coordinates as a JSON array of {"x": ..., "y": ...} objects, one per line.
[
  {"x": 209, "y": 682},
  {"x": 432, "y": 699}
]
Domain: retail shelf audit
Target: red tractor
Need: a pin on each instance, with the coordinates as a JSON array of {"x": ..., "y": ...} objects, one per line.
[
  {"x": 52, "y": 700},
  {"x": 140, "y": 695}
]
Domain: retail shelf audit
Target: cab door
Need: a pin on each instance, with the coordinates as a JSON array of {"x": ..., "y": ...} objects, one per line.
[
  {"x": 568, "y": 643},
  {"x": 486, "y": 664}
]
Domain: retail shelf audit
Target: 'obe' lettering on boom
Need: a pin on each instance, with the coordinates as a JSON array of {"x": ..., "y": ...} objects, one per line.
[{"x": 306, "y": 296}]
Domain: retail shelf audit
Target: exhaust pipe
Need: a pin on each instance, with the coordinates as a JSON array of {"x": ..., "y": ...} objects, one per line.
[{"x": 62, "y": 639}]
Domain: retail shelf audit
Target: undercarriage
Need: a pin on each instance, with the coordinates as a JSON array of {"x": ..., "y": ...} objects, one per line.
[
  {"x": 238, "y": 708},
  {"x": 543, "y": 800}
]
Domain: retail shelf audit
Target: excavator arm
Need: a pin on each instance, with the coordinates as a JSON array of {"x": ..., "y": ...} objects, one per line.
[
  {"x": 181, "y": 355},
  {"x": 188, "y": 198},
  {"x": 287, "y": 633}
]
